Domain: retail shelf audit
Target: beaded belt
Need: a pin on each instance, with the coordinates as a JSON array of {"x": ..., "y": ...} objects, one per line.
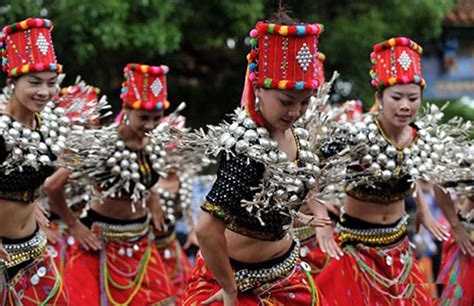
[
  {"x": 122, "y": 232},
  {"x": 28, "y": 196},
  {"x": 373, "y": 236},
  {"x": 251, "y": 278},
  {"x": 304, "y": 233},
  {"x": 24, "y": 251}
]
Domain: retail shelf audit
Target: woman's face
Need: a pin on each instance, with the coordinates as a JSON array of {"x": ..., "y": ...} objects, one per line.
[
  {"x": 34, "y": 90},
  {"x": 281, "y": 108},
  {"x": 144, "y": 121},
  {"x": 400, "y": 104}
]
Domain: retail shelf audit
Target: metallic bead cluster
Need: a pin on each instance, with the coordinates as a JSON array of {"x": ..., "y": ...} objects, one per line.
[
  {"x": 176, "y": 205},
  {"x": 103, "y": 157},
  {"x": 21, "y": 252},
  {"x": 28, "y": 147},
  {"x": 283, "y": 180}
]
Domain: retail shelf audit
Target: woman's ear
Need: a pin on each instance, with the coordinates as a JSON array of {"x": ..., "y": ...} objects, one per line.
[{"x": 378, "y": 99}]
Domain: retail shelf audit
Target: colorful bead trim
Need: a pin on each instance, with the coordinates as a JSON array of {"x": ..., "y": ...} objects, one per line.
[
  {"x": 145, "y": 69},
  {"x": 398, "y": 41},
  {"x": 282, "y": 30}
]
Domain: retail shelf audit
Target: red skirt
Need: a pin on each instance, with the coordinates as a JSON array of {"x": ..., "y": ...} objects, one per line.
[
  {"x": 374, "y": 276},
  {"x": 38, "y": 283},
  {"x": 176, "y": 263},
  {"x": 295, "y": 289},
  {"x": 311, "y": 253},
  {"x": 457, "y": 275},
  {"x": 130, "y": 273}
]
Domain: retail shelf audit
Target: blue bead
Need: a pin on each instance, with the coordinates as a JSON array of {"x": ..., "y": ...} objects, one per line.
[
  {"x": 52, "y": 66},
  {"x": 300, "y": 30},
  {"x": 416, "y": 78},
  {"x": 253, "y": 67},
  {"x": 299, "y": 85}
]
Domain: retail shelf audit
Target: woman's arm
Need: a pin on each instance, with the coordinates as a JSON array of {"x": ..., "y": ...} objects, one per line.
[
  {"x": 460, "y": 234},
  {"x": 324, "y": 234},
  {"x": 213, "y": 244},
  {"x": 54, "y": 189},
  {"x": 425, "y": 217},
  {"x": 153, "y": 203}
]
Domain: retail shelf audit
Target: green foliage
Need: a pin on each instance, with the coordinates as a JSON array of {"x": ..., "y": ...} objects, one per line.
[{"x": 96, "y": 38}]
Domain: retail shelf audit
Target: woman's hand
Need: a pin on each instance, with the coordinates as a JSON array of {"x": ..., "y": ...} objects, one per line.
[
  {"x": 321, "y": 222},
  {"x": 85, "y": 236},
  {"x": 425, "y": 218},
  {"x": 51, "y": 235},
  {"x": 463, "y": 240},
  {"x": 228, "y": 298},
  {"x": 3, "y": 253},
  {"x": 41, "y": 215},
  {"x": 191, "y": 240},
  {"x": 325, "y": 237},
  {"x": 157, "y": 215}
]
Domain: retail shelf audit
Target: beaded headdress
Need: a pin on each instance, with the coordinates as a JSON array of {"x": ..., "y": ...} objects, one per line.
[
  {"x": 145, "y": 87},
  {"x": 85, "y": 111},
  {"x": 26, "y": 46},
  {"x": 281, "y": 57},
  {"x": 396, "y": 61}
]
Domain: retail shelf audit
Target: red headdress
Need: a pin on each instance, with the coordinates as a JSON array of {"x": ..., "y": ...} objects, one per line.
[
  {"x": 145, "y": 87},
  {"x": 26, "y": 46},
  {"x": 282, "y": 57},
  {"x": 396, "y": 61},
  {"x": 81, "y": 99}
]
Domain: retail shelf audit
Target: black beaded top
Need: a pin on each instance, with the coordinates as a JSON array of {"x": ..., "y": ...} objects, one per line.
[
  {"x": 22, "y": 186},
  {"x": 371, "y": 189},
  {"x": 235, "y": 179}
]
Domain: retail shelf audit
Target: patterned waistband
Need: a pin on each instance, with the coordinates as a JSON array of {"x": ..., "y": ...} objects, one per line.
[
  {"x": 25, "y": 250},
  {"x": 122, "y": 232},
  {"x": 249, "y": 276},
  {"x": 352, "y": 231},
  {"x": 28, "y": 196},
  {"x": 304, "y": 233}
]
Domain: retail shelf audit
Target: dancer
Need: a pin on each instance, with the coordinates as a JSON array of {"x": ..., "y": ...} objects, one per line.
[
  {"x": 30, "y": 140},
  {"x": 247, "y": 253},
  {"x": 390, "y": 154},
  {"x": 115, "y": 260}
]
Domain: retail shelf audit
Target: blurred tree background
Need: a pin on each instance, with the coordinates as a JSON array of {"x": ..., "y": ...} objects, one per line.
[{"x": 205, "y": 42}]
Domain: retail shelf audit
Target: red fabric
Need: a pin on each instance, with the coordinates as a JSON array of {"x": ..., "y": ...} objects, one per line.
[
  {"x": 457, "y": 274},
  {"x": 84, "y": 275},
  {"x": 27, "y": 294},
  {"x": 343, "y": 282},
  {"x": 293, "y": 290},
  {"x": 311, "y": 253},
  {"x": 178, "y": 267}
]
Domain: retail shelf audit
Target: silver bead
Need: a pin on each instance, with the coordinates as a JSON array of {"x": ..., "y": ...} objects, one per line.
[
  {"x": 134, "y": 166},
  {"x": 367, "y": 159},
  {"x": 414, "y": 172},
  {"x": 135, "y": 176},
  {"x": 250, "y": 135},
  {"x": 44, "y": 159},
  {"x": 125, "y": 174},
  {"x": 55, "y": 149},
  {"x": 42, "y": 147},
  {"x": 116, "y": 170},
  {"x": 111, "y": 162},
  {"x": 14, "y": 133},
  {"x": 382, "y": 159},
  {"x": 242, "y": 146},
  {"x": 282, "y": 157},
  {"x": 263, "y": 132},
  {"x": 391, "y": 151},
  {"x": 374, "y": 167},
  {"x": 374, "y": 149},
  {"x": 386, "y": 175},
  {"x": 390, "y": 165}
]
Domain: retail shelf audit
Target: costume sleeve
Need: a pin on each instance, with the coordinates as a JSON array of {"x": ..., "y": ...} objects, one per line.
[{"x": 235, "y": 178}]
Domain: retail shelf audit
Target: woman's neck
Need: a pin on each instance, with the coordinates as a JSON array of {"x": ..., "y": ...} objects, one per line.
[
  {"x": 20, "y": 114},
  {"x": 132, "y": 140},
  {"x": 395, "y": 134}
]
